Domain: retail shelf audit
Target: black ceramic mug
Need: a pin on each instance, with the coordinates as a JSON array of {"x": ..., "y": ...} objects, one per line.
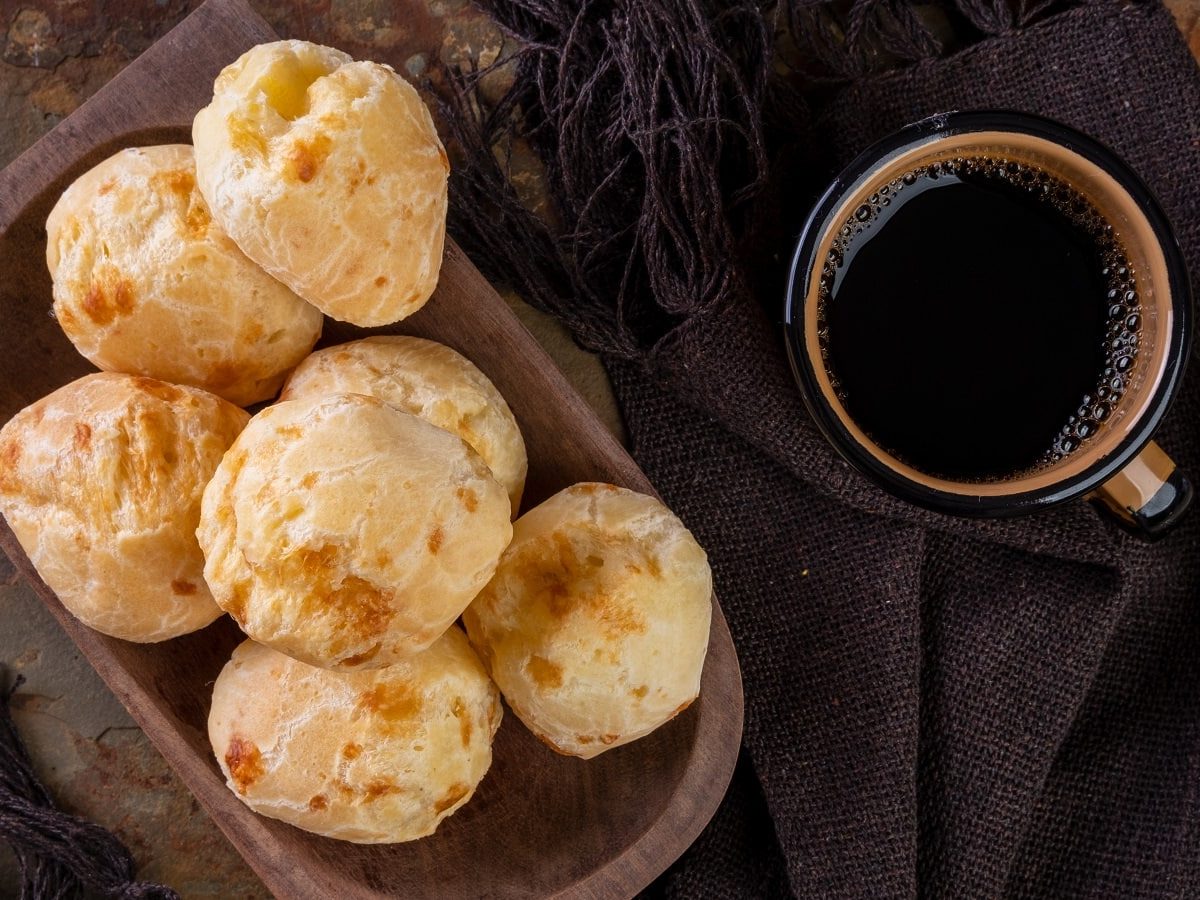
[{"x": 1104, "y": 450}]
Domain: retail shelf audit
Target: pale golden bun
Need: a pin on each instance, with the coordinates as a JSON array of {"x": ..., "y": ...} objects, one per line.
[
  {"x": 595, "y": 625},
  {"x": 101, "y": 482},
  {"x": 329, "y": 174},
  {"x": 372, "y": 757},
  {"x": 348, "y": 534},
  {"x": 428, "y": 380},
  {"x": 146, "y": 283}
]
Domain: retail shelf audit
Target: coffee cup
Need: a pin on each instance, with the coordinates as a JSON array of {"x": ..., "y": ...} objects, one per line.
[{"x": 988, "y": 314}]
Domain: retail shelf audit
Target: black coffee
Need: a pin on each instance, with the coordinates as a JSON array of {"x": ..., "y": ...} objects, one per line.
[{"x": 978, "y": 318}]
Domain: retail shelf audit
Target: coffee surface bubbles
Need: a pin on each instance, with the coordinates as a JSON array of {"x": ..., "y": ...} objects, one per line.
[{"x": 978, "y": 318}]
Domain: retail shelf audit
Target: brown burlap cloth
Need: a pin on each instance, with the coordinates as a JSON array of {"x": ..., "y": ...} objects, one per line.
[
  {"x": 938, "y": 706},
  {"x": 935, "y": 706}
]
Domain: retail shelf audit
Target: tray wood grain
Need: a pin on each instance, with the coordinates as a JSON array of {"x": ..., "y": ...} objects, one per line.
[{"x": 540, "y": 824}]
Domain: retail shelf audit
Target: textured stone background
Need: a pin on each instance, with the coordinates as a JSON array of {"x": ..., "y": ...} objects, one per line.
[{"x": 56, "y": 53}]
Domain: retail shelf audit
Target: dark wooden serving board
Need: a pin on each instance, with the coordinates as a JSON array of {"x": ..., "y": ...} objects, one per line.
[{"x": 540, "y": 824}]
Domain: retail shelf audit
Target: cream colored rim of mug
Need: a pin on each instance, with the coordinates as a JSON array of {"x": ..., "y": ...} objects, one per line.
[{"x": 1142, "y": 250}]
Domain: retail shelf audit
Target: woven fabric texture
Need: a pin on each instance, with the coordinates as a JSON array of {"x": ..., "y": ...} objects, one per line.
[{"x": 938, "y": 706}]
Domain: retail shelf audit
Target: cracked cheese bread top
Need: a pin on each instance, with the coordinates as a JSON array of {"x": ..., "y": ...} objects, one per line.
[
  {"x": 329, "y": 174},
  {"x": 101, "y": 483}
]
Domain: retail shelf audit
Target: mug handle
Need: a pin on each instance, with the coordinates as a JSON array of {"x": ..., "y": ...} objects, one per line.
[{"x": 1148, "y": 496}]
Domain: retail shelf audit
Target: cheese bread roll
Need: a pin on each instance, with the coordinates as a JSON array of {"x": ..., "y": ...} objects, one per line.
[
  {"x": 371, "y": 757},
  {"x": 595, "y": 625},
  {"x": 429, "y": 380},
  {"x": 101, "y": 483},
  {"x": 146, "y": 283},
  {"x": 329, "y": 174},
  {"x": 348, "y": 534}
]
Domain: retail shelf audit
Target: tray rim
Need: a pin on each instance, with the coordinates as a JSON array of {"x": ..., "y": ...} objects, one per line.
[{"x": 25, "y": 178}]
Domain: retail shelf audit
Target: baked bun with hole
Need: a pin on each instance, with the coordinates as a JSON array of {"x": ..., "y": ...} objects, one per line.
[
  {"x": 595, "y": 625},
  {"x": 373, "y": 757},
  {"x": 329, "y": 174},
  {"x": 145, "y": 282},
  {"x": 101, "y": 482},
  {"x": 429, "y": 380},
  {"x": 348, "y": 534}
]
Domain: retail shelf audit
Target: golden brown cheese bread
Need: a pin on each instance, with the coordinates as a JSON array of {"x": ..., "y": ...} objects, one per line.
[
  {"x": 595, "y": 625},
  {"x": 371, "y": 757},
  {"x": 348, "y": 534},
  {"x": 329, "y": 174},
  {"x": 146, "y": 283},
  {"x": 101, "y": 483},
  {"x": 428, "y": 380}
]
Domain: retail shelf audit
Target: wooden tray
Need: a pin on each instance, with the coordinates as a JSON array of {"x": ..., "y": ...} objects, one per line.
[{"x": 540, "y": 824}]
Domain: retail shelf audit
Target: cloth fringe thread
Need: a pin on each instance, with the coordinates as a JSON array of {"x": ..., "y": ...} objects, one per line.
[
  {"x": 59, "y": 855},
  {"x": 654, "y": 125}
]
